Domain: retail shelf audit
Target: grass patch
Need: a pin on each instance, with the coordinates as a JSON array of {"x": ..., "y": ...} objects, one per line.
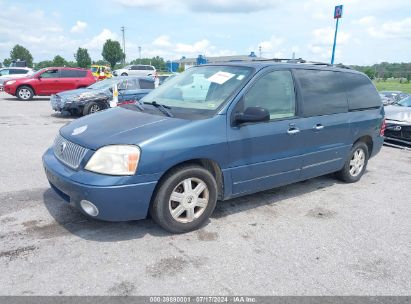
[{"x": 393, "y": 85}]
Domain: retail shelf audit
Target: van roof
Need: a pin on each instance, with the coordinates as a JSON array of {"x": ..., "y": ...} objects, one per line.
[{"x": 291, "y": 63}]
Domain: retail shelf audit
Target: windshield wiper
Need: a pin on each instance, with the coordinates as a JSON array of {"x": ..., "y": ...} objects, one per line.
[{"x": 162, "y": 108}]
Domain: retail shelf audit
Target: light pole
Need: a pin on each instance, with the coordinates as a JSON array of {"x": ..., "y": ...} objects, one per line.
[
  {"x": 123, "y": 29},
  {"x": 139, "y": 53},
  {"x": 338, "y": 10},
  {"x": 260, "y": 48}
]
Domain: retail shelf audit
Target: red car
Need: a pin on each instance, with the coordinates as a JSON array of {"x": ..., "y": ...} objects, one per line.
[{"x": 49, "y": 81}]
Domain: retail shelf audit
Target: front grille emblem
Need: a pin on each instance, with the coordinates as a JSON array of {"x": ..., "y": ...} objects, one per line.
[
  {"x": 397, "y": 128},
  {"x": 62, "y": 147}
]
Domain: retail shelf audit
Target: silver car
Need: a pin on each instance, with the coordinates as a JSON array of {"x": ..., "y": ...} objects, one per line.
[
  {"x": 140, "y": 70},
  {"x": 13, "y": 73}
]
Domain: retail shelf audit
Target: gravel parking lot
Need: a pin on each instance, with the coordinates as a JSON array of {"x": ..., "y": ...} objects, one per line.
[{"x": 318, "y": 237}]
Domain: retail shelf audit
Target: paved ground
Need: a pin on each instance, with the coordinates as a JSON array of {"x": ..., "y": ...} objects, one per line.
[{"x": 319, "y": 237}]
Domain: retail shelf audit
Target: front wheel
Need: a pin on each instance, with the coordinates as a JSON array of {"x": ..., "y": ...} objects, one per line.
[
  {"x": 355, "y": 165},
  {"x": 124, "y": 74},
  {"x": 185, "y": 199},
  {"x": 91, "y": 107},
  {"x": 24, "y": 93}
]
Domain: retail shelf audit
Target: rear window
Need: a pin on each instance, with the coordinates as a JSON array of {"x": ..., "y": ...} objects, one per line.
[
  {"x": 73, "y": 73},
  {"x": 323, "y": 92},
  {"x": 146, "y": 84},
  {"x": 361, "y": 92}
]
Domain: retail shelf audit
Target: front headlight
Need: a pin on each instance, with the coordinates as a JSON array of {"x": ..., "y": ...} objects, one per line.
[
  {"x": 10, "y": 82},
  {"x": 115, "y": 160}
]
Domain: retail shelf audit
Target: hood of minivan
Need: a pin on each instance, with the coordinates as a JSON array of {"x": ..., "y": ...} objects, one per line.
[
  {"x": 398, "y": 113},
  {"x": 117, "y": 126}
]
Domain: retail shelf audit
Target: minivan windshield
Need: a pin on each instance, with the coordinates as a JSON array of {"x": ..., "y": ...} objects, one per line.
[{"x": 199, "y": 91}]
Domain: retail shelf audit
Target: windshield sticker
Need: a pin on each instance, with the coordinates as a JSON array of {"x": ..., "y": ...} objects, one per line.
[
  {"x": 240, "y": 77},
  {"x": 221, "y": 77}
]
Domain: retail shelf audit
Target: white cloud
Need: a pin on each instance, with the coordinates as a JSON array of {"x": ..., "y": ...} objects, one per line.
[
  {"x": 392, "y": 29},
  {"x": 214, "y": 6},
  {"x": 367, "y": 20},
  {"x": 98, "y": 41},
  {"x": 322, "y": 40},
  {"x": 79, "y": 27}
]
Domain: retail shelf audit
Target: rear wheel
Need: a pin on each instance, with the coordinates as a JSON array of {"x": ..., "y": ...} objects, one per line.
[
  {"x": 124, "y": 74},
  {"x": 92, "y": 107},
  {"x": 185, "y": 199},
  {"x": 24, "y": 93},
  {"x": 356, "y": 164}
]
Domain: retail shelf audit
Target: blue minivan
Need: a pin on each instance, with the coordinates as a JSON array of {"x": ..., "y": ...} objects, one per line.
[{"x": 216, "y": 132}]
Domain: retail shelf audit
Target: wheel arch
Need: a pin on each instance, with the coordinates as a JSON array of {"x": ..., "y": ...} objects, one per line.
[
  {"x": 210, "y": 165},
  {"x": 368, "y": 141},
  {"x": 26, "y": 85}
]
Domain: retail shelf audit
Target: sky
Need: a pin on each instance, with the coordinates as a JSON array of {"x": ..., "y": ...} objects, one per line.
[{"x": 371, "y": 31}]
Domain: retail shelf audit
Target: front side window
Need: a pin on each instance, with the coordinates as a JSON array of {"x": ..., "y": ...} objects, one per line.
[
  {"x": 274, "y": 92},
  {"x": 200, "y": 89},
  {"x": 50, "y": 74}
]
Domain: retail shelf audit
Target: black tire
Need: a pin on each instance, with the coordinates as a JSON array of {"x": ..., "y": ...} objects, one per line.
[
  {"x": 124, "y": 74},
  {"x": 162, "y": 204},
  {"x": 92, "y": 107},
  {"x": 24, "y": 93},
  {"x": 352, "y": 173}
]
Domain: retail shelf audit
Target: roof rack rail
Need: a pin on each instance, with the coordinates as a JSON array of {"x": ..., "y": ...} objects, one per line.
[{"x": 300, "y": 60}]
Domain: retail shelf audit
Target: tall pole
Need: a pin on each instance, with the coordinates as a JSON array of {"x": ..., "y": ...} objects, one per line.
[
  {"x": 124, "y": 44},
  {"x": 335, "y": 40},
  {"x": 260, "y": 48},
  {"x": 139, "y": 52},
  {"x": 338, "y": 11}
]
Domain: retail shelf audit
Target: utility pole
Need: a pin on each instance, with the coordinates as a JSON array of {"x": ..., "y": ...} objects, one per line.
[
  {"x": 260, "y": 48},
  {"x": 123, "y": 29}
]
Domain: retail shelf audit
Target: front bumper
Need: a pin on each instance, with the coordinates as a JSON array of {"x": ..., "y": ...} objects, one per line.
[
  {"x": 115, "y": 201},
  {"x": 398, "y": 131}
]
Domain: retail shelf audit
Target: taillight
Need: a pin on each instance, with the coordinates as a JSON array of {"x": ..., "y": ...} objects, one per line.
[{"x": 383, "y": 126}]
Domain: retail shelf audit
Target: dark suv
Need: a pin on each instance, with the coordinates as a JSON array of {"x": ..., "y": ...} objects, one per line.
[{"x": 213, "y": 133}]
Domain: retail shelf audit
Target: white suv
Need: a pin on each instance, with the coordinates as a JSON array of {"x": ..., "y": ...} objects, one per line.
[
  {"x": 13, "y": 73},
  {"x": 136, "y": 70}
]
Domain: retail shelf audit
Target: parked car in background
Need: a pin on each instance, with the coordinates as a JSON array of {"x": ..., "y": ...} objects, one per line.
[
  {"x": 136, "y": 70},
  {"x": 253, "y": 126},
  {"x": 398, "y": 120},
  {"x": 390, "y": 97},
  {"x": 164, "y": 77},
  {"x": 101, "y": 71},
  {"x": 49, "y": 81},
  {"x": 13, "y": 73},
  {"x": 97, "y": 97}
]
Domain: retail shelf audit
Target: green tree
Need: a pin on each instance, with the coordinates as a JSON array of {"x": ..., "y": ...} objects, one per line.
[
  {"x": 43, "y": 64},
  {"x": 7, "y": 62},
  {"x": 83, "y": 58},
  {"x": 19, "y": 52},
  {"x": 369, "y": 72},
  {"x": 59, "y": 61},
  {"x": 112, "y": 52}
]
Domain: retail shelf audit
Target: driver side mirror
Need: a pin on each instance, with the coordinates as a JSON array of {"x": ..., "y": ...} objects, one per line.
[{"x": 252, "y": 114}]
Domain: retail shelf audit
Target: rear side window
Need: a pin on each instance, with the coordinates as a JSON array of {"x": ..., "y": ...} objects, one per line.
[
  {"x": 146, "y": 84},
  {"x": 150, "y": 68},
  {"x": 361, "y": 92},
  {"x": 73, "y": 73},
  {"x": 323, "y": 92},
  {"x": 4, "y": 72},
  {"x": 18, "y": 71}
]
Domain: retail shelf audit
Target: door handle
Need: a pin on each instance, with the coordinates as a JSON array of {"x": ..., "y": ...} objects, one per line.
[
  {"x": 318, "y": 127},
  {"x": 293, "y": 130}
]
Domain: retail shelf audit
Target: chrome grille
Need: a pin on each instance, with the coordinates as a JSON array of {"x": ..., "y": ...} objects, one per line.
[
  {"x": 68, "y": 153},
  {"x": 55, "y": 102}
]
